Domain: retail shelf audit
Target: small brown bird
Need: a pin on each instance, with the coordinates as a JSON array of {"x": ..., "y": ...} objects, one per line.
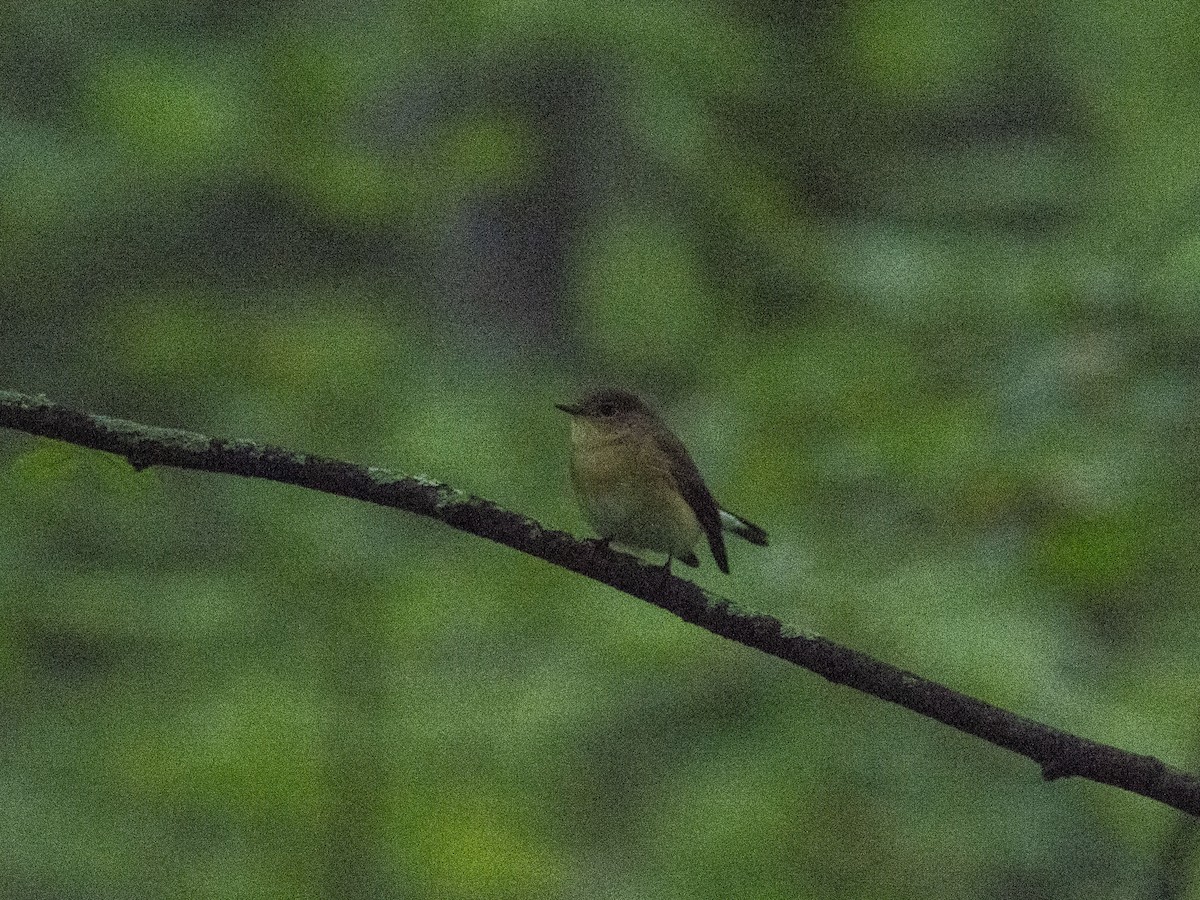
[{"x": 638, "y": 485}]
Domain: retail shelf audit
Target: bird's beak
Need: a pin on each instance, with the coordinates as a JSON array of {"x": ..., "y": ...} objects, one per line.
[{"x": 568, "y": 409}]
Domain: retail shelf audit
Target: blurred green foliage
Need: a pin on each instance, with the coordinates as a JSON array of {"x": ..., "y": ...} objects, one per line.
[{"x": 914, "y": 278}]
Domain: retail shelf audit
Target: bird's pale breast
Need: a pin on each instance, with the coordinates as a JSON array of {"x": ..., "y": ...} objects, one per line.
[{"x": 627, "y": 492}]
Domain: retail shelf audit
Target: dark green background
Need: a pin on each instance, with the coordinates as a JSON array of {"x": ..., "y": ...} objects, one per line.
[{"x": 916, "y": 280}]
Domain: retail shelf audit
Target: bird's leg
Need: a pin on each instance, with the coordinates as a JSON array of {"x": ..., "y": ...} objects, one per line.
[{"x": 667, "y": 565}]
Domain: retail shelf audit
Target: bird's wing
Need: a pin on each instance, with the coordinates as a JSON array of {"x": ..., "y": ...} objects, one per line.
[{"x": 691, "y": 485}]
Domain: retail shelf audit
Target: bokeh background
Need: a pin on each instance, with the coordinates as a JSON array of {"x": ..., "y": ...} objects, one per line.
[{"x": 916, "y": 279}]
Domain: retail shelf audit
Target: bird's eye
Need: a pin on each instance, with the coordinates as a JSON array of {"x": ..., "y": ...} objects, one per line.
[{"x": 607, "y": 409}]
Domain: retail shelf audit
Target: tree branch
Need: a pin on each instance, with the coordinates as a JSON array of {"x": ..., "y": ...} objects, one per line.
[{"x": 1059, "y": 754}]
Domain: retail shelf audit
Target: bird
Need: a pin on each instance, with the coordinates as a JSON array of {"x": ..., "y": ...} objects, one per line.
[{"x": 638, "y": 486}]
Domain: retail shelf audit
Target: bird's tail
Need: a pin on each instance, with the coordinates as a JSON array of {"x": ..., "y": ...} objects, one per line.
[{"x": 743, "y": 528}]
